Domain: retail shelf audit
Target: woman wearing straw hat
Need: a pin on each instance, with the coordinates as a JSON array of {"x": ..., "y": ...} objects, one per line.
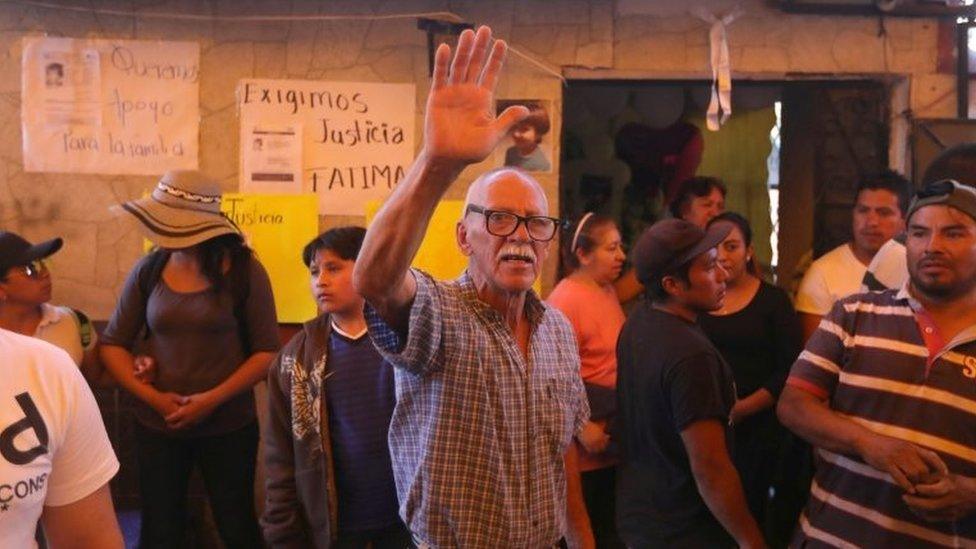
[{"x": 203, "y": 304}]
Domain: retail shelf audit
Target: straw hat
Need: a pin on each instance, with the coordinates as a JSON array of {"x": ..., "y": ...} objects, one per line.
[{"x": 183, "y": 210}]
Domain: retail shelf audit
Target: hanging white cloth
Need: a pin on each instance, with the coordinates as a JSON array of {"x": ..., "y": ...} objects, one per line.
[{"x": 720, "y": 105}]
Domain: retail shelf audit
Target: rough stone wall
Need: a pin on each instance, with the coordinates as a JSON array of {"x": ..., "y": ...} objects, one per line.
[{"x": 638, "y": 38}]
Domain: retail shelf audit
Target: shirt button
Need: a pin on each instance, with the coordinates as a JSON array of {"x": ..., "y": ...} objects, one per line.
[{"x": 928, "y": 329}]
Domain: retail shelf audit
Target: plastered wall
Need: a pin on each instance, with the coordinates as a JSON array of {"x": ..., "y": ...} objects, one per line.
[{"x": 651, "y": 39}]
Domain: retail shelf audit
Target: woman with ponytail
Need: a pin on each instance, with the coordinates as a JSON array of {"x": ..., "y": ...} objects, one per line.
[{"x": 594, "y": 255}]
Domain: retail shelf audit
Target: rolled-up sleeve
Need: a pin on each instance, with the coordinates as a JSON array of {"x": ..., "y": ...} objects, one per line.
[{"x": 420, "y": 350}]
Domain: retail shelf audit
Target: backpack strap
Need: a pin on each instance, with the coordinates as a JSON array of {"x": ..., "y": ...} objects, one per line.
[
  {"x": 148, "y": 278},
  {"x": 86, "y": 331}
]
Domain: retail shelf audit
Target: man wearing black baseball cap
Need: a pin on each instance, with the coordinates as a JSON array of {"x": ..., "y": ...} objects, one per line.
[
  {"x": 886, "y": 392},
  {"x": 15, "y": 251},
  {"x": 25, "y": 295},
  {"x": 678, "y": 485}
]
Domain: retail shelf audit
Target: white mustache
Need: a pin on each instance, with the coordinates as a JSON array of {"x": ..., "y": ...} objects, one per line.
[{"x": 523, "y": 250}]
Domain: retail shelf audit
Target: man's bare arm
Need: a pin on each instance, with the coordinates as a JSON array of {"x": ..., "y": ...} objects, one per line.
[
  {"x": 88, "y": 522},
  {"x": 811, "y": 418},
  {"x": 718, "y": 481},
  {"x": 459, "y": 129}
]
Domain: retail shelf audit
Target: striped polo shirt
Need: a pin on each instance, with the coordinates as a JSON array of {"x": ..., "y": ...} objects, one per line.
[{"x": 880, "y": 361}]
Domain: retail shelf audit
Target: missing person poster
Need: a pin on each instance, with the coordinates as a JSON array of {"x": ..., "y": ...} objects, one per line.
[
  {"x": 357, "y": 138},
  {"x": 271, "y": 159},
  {"x": 109, "y": 106}
]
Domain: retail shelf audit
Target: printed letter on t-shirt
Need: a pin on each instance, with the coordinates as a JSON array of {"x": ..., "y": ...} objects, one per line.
[{"x": 32, "y": 420}]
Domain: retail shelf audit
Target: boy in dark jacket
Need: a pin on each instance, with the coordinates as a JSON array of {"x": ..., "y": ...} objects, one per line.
[{"x": 330, "y": 397}]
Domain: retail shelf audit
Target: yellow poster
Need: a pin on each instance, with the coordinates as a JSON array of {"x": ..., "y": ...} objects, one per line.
[
  {"x": 277, "y": 227},
  {"x": 439, "y": 255}
]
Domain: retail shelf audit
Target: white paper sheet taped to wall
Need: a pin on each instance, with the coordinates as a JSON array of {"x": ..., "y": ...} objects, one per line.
[
  {"x": 109, "y": 106},
  {"x": 357, "y": 138}
]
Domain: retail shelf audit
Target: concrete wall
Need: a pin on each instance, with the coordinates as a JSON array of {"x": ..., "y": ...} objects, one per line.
[{"x": 648, "y": 39}]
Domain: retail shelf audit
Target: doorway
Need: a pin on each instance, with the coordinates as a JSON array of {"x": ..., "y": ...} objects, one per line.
[{"x": 791, "y": 155}]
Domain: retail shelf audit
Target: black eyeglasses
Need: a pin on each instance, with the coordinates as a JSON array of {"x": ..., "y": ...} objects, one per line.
[
  {"x": 35, "y": 269},
  {"x": 540, "y": 228}
]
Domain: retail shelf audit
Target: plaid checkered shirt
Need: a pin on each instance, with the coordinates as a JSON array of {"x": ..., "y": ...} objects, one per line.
[{"x": 478, "y": 434}]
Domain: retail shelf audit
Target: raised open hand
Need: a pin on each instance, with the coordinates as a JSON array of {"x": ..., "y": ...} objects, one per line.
[{"x": 460, "y": 125}]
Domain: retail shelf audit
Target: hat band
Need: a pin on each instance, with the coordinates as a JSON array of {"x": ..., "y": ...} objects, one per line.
[
  {"x": 164, "y": 229},
  {"x": 187, "y": 195}
]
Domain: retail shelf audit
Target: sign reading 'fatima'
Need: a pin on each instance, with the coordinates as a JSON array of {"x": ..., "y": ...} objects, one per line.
[{"x": 356, "y": 139}]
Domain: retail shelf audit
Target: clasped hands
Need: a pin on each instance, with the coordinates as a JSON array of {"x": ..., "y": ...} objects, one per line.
[
  {"x": 179, "y": 411},
  {"x": 932, "y": 492}
]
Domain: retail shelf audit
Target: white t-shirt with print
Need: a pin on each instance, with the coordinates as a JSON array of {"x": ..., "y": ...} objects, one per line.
[
  {"x": 835, "y": 275},
  {"x": 60, "y": 326},
  {"x": 53, "y": 446}
]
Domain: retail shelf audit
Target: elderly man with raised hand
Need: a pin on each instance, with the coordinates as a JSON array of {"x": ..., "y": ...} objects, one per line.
[
  {"x": 886, "y": 390},
  {"x": 488, "y": 385}
]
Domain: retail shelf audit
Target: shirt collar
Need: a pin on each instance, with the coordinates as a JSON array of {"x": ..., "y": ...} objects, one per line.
[
  {"x": 535, "y": 308},
  {"x": 905, "y": 294},
  {"x": 49, "y": 315},
  {"x": 965, "y": 336}
]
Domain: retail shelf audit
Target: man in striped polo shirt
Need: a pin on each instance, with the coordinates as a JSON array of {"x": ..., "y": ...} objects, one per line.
[{"x": 886, "y": 391}]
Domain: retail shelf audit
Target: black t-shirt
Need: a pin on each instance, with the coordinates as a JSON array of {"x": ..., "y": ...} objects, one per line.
[
  {"x": 760, "y": 342},
  {"x": 669, "y": 375}
]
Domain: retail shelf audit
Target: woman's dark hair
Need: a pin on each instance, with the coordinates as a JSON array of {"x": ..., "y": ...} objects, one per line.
[
  {"x": 345, "y": 242},
  {"x": 538, "y": 118},
  {"x": 742, "y": 224},
  {"x": 691, "y": 188},
  {"x": 212, "y": 252},
  {"x": 586, "y": 239}
]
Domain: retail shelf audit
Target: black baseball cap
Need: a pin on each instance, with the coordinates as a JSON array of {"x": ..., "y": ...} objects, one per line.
[
  {"x": 14, "y": 250},
  {"x": 670, "y": 243}
]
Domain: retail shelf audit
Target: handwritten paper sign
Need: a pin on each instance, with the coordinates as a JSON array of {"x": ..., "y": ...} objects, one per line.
[
  {"x": 109, "y": 106},
  {"x": 358, "y": 138},
  {"x": 277, "y": 227}
]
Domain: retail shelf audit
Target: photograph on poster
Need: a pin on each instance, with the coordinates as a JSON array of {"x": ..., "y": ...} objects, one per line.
[{"x": 529, "y": 146}]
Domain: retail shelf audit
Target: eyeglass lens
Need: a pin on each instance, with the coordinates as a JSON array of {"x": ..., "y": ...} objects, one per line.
[{"x": 504, "y": 224}]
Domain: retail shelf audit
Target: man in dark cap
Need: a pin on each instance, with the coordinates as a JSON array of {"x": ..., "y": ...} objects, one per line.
[
  {"x": 886, "y": 391},
  {"x": 678, "y": 485}
]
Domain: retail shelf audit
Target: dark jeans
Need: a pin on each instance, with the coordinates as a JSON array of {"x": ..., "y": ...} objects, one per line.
[
  {"x": 599, "y": 493},
  {"x": 227, "y": 464},
  {"x": 392, "y": 537}
]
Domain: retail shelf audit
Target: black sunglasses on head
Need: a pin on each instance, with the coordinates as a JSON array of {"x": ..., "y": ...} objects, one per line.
[{"x": 937, "y": 188}]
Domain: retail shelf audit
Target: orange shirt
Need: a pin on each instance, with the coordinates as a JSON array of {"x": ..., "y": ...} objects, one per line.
[{"x": 597, "y": 318}]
